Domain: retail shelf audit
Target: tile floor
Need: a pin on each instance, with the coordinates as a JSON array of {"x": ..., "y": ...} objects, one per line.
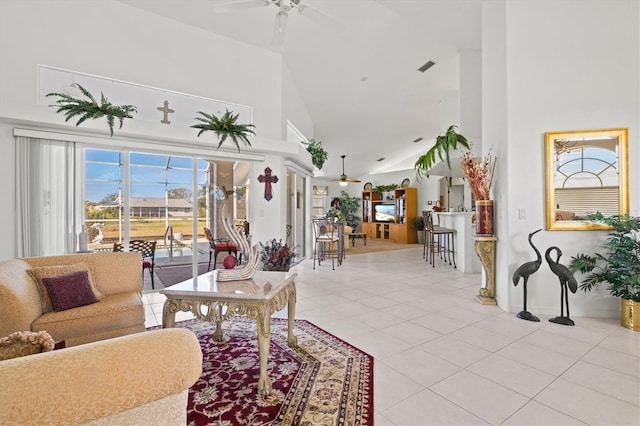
[{"x": 441, "y": 358}]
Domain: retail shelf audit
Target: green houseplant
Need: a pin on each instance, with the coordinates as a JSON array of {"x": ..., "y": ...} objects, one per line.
[
  {"x": 444, "y": 143},
  {"x": 224, "y": 127},
  {"x": 418, "y": 225},
  {"x": 618, "y": 265},
  {"x": 89, "y": 108},
  {"x": 318, "y": 154},
  {"x": 349, "y": 208}
]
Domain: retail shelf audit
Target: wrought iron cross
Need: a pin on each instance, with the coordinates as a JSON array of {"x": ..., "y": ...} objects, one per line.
[
  {"x": 166, "y": 110},
  {"x": 267, "y": 179}
]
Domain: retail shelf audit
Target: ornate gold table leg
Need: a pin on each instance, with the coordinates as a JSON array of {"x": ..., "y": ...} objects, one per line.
[
  {"x": 169, "y": 313},
  {"x": 217, "y": 335},
  {"x": 264, "y": 340},
  {"x": 291, "y": 315},
  {"x": 486, "y": 251}
]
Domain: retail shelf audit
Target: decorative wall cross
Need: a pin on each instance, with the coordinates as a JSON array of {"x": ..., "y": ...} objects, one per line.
[
  {"x": 268, "y": 179},
  {"x": 166, "y": 110}
]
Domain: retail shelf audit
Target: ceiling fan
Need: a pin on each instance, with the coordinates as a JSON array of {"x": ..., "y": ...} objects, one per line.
[
  {"x": 284, "y": 7},
  {"x": 344, "y": 180}
]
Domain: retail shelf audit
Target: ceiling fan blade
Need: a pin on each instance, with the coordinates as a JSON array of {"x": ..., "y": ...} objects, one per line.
[
  {"x": 321, "y": 18},
  {"x": 231, "y": 6}
]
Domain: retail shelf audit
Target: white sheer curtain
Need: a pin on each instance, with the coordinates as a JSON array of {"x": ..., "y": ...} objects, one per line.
[{"x": 46, "y": 197}]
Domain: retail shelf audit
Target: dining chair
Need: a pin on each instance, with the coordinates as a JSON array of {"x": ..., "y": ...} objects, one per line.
[
  {"x": 220, "y": 245},
  {"x": 327, "y": 242}
]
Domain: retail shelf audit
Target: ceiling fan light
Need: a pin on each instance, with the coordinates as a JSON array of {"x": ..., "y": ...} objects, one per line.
[
  {"x": 282, "y": 21},
  {"x": 344, "y": 183}
]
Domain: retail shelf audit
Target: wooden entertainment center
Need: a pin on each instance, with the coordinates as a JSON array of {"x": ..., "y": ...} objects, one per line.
[{"x": 390, "y": 219}]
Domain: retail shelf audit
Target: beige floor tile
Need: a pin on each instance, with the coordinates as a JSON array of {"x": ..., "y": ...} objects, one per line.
[
  {"x": 381, "y": 420},
  {"x": 587, "y": 405},
  {"x": 411, "y": 333},
  {"x": 536, "y": 414},
  {"x": 558, "y": 343},
  {"x": 513, "y": 375},
  {"x": 439, "y": 323},
  {"x": 427, "y": 408},
  {"x": 482, "y": 338},
  {"x": 391, "y": 387},
  {"x": 378, "y": 319},
  {"x": 421, "y": 367},
  {"x": 455, "y": 351},
  {"x": 380, "y": 345},
  {"x": 488, "y": 400},
  {"x": 614, "y": 360},
  {"x": 504, "y": 324},
  {"x": 618, "y": 385},
  {"x": 540, "y": 358},
  {"x": 623, "y": 340}
]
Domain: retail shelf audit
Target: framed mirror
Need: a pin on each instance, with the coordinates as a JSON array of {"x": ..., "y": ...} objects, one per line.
[{"x": 586, "y": 171}]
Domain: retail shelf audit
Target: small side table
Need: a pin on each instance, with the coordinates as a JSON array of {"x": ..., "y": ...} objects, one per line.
[
  {"x": 355, "y": 235},
  {"x": 486, "y": 250}
]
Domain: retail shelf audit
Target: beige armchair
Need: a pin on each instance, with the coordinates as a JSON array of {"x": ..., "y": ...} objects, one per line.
[
  {"x": 117, "y": 276},
  {"x": 140, "y": 379}
]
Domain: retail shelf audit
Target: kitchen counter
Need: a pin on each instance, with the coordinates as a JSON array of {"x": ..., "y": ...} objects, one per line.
[{"x": 466, "y": 258}]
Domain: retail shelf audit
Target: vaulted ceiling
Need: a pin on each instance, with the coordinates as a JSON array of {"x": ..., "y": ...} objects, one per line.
[{"x": 355, "y": 64}]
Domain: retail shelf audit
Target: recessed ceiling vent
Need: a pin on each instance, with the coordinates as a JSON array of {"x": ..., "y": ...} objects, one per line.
[{"x": 426, "y": 66}]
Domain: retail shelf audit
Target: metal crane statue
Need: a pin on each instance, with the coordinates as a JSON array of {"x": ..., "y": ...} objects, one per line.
[
  {"x": 524, "y": 271},
  {"x": 567, "y": 281}
]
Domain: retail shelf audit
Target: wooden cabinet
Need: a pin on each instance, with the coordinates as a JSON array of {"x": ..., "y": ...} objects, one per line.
[{"x": 403, "y": 209}]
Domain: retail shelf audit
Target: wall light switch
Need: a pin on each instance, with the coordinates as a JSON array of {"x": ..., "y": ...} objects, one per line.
[{"x": 522, "y": 214}]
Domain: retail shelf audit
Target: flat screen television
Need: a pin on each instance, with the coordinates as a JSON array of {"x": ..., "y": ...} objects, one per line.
[{"x": 384, "y": 212}]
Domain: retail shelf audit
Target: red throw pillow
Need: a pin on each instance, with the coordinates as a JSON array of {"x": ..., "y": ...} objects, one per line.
[{"x": 70, "y": 290}]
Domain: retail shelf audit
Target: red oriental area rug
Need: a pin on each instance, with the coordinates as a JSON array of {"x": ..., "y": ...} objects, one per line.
[{"x": 322, "y": 381}]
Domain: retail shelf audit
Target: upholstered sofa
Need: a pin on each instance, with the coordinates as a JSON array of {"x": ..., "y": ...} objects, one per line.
[
  {"x": 139, "y": 379},
  {"x": 117, "y": 278}
]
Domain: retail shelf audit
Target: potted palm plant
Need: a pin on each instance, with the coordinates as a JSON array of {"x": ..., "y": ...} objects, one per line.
[
  {"x": 618, "y": 265},
  {"x": 444, "y": 143},
  {"x": 349, "y": 208},
  {"x": 224, "y": 127}
]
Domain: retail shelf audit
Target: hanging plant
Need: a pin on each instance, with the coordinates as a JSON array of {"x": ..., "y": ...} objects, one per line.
[
  {"x": 444, "y": 143},
  {"x": 90, "y": 109},
  {"x": 318, "y": 154},
  {"x": 225, "y": 127}
]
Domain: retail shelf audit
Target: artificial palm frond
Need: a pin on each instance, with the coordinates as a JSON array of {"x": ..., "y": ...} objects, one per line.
[
  {"x": 444, "y": 143},
  {"x": 224, "y": 127},
  {"x": 89, "y": 109}
]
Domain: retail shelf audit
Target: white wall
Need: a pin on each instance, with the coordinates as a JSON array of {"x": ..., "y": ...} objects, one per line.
[
  {"x": 110, "y": 39},
  {"x": 551, "y": 65}
]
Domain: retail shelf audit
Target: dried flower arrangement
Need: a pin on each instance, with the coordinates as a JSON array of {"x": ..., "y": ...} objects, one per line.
[
  {"x": 479, "y": 174},
  {"x": 276, "y": 256}
]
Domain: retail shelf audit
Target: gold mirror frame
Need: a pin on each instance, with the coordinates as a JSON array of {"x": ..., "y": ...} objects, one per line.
[{"x": 621, "y": 136}]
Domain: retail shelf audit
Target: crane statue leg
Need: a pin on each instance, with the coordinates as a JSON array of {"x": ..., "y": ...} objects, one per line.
[
  {"x": 524, "y": 314},
  {"x": 564, "y": 301}
]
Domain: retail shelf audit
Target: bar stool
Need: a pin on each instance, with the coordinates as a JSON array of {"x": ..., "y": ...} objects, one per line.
[{"x": 439, "y": 240}]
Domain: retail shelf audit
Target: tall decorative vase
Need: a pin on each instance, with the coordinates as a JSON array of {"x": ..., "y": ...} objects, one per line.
[{"x": 484, "y": 218}]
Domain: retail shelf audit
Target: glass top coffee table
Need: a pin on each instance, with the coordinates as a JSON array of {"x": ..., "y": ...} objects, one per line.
[{"x": 257, "y": 298}]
